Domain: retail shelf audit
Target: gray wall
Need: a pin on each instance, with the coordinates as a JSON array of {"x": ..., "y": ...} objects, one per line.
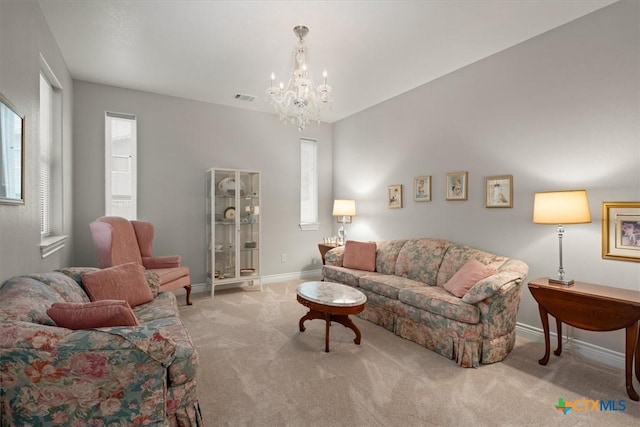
[
  {"x": 560, "y": 111},
  {"x": 178, "y": 140},
  {"x": 23, "y": 37}
]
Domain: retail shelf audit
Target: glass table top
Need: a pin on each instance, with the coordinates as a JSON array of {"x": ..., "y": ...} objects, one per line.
[{"x": 333, "y": 294}]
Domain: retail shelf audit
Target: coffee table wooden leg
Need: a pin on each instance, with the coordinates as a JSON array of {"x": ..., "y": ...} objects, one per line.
[
  {"x": 327, "y": 318},
  {"x": 312, "y": 314},
  {"x": 348, "y": 323}
]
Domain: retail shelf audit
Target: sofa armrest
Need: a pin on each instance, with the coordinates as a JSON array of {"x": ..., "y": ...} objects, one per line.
[
  {"x": 54, "y": 376},
  {"x": 511, "y": 271},
  {"x": 169, "y": 261},
  {"x": 334, "y": 257},
  {"x": 498, "y": 313}
]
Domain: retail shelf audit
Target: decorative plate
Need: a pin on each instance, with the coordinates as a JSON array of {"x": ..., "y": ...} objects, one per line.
[
  {"x": 230, "y": 213},
  {"x": 229, "y": 183}
]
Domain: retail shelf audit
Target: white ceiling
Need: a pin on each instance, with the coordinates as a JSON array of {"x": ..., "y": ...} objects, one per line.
[{"x": 212, "y": 50}]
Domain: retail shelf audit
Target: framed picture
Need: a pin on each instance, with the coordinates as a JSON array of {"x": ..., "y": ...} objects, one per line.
[
  {"x": 457, "y": 186},
  {"x": 422, "y": 188},
  {"x": 621, "y": 231},
  {"x": 394, "y": 196},
  {"x": 499, "y": 191}
]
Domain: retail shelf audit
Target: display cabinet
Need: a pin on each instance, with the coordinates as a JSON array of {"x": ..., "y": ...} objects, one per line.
[{"x": 233, "y": 228}]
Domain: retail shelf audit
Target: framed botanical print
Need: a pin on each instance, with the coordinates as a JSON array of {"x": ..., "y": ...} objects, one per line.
[
  {"x": 394, "y": 196},
  {"x": 457, "y": 186},
  {"x": 422, "y": 188},
  {"x": 499, "y": 191}
]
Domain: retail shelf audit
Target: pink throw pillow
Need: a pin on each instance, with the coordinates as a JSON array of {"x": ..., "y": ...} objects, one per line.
[
  {"x": 359, "y": 255},
  {"x": 468, "y": 275},
  {"x": 98, "y": 314},
  {"x": 121, "y": 282}
]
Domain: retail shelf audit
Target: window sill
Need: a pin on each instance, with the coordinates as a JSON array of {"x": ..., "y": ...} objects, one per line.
[
  {"x": 309, "y": 226},
  {"x": 51, "y": 244}
]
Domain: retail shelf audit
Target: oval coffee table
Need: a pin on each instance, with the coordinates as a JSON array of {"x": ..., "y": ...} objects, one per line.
[{"x": 332, "y": 302}]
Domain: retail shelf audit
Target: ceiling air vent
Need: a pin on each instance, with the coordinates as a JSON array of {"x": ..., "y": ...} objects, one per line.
[{"x": 242, "y": 97}]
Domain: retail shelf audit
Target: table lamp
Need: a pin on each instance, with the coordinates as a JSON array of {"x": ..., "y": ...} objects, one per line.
[
  {"x": 561, "y": 207},
  {"x": 343, "y": 209}
]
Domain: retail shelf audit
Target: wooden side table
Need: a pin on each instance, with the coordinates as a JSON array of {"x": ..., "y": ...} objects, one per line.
[
  {"x": 593, "y": 308},
  {"x": 324, "y": 248}
]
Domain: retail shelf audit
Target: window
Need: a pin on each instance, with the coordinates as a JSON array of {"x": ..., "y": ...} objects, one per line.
[
  {"x": 50, "y": 162},
  {"x": 308, "y": 184},
  {"x": 120, "y": 165}
]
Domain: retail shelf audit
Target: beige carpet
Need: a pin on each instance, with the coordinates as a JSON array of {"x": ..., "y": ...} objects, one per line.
[{"x": 257, "y": 369}]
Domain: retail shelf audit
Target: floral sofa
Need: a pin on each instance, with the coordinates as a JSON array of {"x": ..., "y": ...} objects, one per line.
[
  {"x": 115, "y": 376},
  {"x": 405, "y": 287}
]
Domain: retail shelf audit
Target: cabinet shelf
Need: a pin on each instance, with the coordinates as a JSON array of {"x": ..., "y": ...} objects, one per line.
[{"x": 232, "y": 258}]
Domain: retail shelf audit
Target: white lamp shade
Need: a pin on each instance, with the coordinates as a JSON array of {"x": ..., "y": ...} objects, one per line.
[
  {"x": 344, "y": 207},
  {"x": 561, "y": 207}
]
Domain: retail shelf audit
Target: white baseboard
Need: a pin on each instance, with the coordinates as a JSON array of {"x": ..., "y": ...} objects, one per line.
[
  {"x": 303, "y": 275},
  {"x": 590, "y": 351}
]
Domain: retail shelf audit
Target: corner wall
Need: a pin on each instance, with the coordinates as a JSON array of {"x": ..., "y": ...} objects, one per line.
[
  {"x": 560, "y": 111},
  {"x": 24, "y": 35}
]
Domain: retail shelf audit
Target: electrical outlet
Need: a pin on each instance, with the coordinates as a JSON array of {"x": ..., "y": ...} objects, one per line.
[{"x": 283, "y": 258}]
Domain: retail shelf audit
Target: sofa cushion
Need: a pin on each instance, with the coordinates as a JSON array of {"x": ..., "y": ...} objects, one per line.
[
  {"x": 387, "y": 255},
  {"x": 65, "y": 286},
  {"x": 343, "y": 275},
  {"x": 420, "y": 259},
  {"x": 387, "y": 285},
  {"x": 457, "y": 256},
  {"x": 121, "y": 282},
  {"x": 436, "y": 300},
  {"x": 23, "y": 299},
  {"x": 359, "y": 255},
  {"x": 97, "y": 314},
  {"x": 470, "y": 273}
]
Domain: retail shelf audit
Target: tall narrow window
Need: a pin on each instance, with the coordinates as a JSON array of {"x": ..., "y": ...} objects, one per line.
[
  {"x": 120, "y": 165},
  {"x": 50, "y": 162},
  {"x": 46, "y": 141},
  {"x": 308, "y": 184}
]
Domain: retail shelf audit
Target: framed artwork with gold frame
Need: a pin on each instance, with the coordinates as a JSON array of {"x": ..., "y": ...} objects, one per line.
[
  {"x": 394, "y": 196},
  {"x": 621, "y": 231},
  {"x": 422, "y": 188},
  {"x": 457, "y": 186},
  {"x": 499, "y": 191}
]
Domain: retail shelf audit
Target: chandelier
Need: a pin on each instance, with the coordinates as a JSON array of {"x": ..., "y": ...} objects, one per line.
[{"x": 301, "y": 101}]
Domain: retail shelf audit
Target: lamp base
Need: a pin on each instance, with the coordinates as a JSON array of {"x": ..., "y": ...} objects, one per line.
[{"x": 564, "y": 282}]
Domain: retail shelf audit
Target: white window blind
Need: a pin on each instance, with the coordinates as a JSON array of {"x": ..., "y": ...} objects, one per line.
[
  {"x": 46, "y": 140},
  {"x": 308, "y": 184}
]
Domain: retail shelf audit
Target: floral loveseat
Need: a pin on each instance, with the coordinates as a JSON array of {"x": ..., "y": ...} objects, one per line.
[
  {"x": 111, "y": 376},
  {"x": 404, "y": 281}
]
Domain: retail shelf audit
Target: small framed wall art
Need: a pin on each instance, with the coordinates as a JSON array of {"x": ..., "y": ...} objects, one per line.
[
  {"x": 499, "y": 191},
  {"x": 621, "y": 231},
  {"x": 457, "y": 186},
  {"x": 394, "y": 196},
  {"x": 422, "y": 188}
]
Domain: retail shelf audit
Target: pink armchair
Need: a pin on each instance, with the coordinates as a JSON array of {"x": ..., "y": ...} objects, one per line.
[{"x": 120, "y": 241}]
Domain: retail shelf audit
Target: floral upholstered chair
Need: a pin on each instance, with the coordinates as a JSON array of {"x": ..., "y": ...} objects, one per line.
[{"x": 120, "y": 241}]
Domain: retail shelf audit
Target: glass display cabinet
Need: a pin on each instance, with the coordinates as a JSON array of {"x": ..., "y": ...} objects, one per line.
[{"x": 233, "y": 227}]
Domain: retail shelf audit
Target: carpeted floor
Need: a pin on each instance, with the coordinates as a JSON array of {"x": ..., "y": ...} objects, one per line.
[{"x": 257, "y": 369}]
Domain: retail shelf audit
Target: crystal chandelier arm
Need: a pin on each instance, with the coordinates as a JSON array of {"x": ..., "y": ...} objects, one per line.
[{"x": 301, "y": 101}]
